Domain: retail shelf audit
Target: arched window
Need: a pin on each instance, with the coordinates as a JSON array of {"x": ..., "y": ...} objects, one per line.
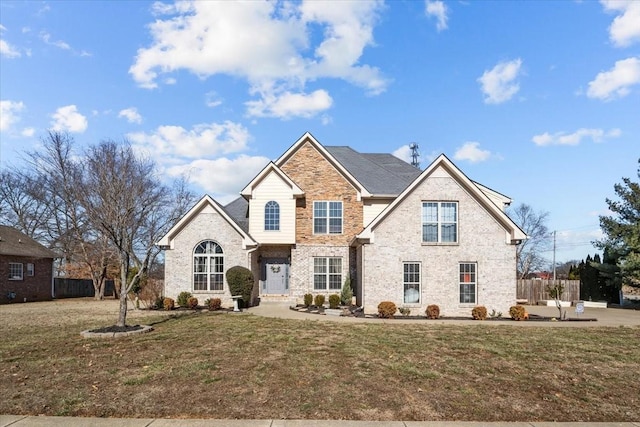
[
  {"x": 272, "y": 216},
  {"x": 208, "y": 267}
]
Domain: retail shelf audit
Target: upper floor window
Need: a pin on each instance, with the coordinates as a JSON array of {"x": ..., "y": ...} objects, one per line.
[
  {"x": 272, "y": 216},
  {"x": 440, "y": 222},
  {"x": 327, "y": 217},
  {"x": 208, "y": 267},
  {"x": 15, "y": 271}
]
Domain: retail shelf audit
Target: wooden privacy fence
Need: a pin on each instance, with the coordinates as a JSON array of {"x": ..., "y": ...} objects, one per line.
[
  {"x": 535, "y": 290},
  {"x": 77, "y": 288}
]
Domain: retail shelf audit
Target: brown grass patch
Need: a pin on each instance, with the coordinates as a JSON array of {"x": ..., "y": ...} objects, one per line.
[{"x": 208, "y": 365}]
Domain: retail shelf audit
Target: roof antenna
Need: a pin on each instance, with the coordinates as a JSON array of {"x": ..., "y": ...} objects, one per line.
[{"x": 415, "y": 155}]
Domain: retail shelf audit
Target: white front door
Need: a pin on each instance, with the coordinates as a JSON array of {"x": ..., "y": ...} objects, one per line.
[{"x": 277, "y": 280}]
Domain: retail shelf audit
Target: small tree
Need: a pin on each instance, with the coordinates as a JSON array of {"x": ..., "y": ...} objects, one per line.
[
  {"x": 555, "y": 291},
  {"x": 240, "y": 280},
  {"x": 347, "y": 293}
]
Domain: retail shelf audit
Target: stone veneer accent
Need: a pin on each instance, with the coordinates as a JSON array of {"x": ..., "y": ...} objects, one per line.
[
  {"x": 179, "y": 260},
  {"x": 398, "y": 238}
]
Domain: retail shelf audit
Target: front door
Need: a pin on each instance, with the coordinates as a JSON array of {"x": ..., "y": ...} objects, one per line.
[{"x": 277, "y": 278}]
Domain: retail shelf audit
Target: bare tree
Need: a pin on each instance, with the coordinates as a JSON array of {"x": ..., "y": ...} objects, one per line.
[
  {"x": 529, "y": 253},
  {"x": 125, "y": 200},
  {"x": 19, "y": 207}
]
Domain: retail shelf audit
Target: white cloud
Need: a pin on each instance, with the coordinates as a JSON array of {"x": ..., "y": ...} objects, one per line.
[
  {"x": 222, "y": 177},
  {"x": 563, "y": 138},
  {"x": 278, "y": 47},
  {"x": 131, "y": 114},
  {"x": 68, "y": 118},
  {"x": 46, "y": 37},
  {"x": 203, "y": 140},
  {"x": 9, "y": 114},
  {"x": 625, "y": 28},
  {"x": 617, "y": 82},
  {"x": 438, "y": 10},
  {"x": 499, "y": 84},
  {"x": 470, "y": 151},
  {"x": 288, "y": 105},
  {"x": 28, "y": 132},
  {"x": 403, "y": 153},
  {"x": 212, "y": 100},
  {"x": 8, "y": 51}
]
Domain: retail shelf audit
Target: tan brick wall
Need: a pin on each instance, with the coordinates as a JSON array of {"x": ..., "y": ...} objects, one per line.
[
  {"x": 480, "y": 239},
  {"x": 322, "y": 182}
]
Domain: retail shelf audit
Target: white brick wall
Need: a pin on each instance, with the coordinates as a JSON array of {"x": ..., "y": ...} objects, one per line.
[
  {"x": 179, "y": 261},
  {"x": 302, "y": 268},
  {"x": 480, "y": 239}
]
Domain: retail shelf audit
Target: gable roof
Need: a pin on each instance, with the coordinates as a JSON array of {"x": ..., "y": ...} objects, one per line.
[
  {"x": 516, "y": 234},
  {"x": 271, "y": 168},
  {"x": 167, "y": 239},
  {"x": 15, "y": 242},
  {"x": 238, "y": 210}
]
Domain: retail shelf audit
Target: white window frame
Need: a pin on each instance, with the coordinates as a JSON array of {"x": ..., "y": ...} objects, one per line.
[
  {"x": 16, "y": 271},
  {"x": 322, "y": 272},
  {"x": 328, "y": 217},
  {"x": 31, "y": 270},
  {"x": 272, "y": 216},
  {"x": 468, "y": 276},
  {"x": 409, "y": 280},
  {"x": 210, "y": 265},
  {"x": 440, "y": 222}
]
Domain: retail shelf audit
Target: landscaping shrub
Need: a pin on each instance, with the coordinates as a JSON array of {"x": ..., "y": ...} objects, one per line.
[
  {"x": 479, "y": 312},
  {"x": 334, "y": 300},
  {"x": 214, "y": 304},
  {"x": 346, "y": 295},
  {"x": 319, "y": 300},
  {"x": 240, "y": 280},
  {"x": 169, "y": 304},
  {"x": 159, "y": 303},
  {"x": 183, "y": 297},
  {"x": 386, "y": 309},
  {"x": 308, "y": 300},
  {"x": 192, "y": 303},
  {"x": 517, "y": 312},
  {"x": 433, "y": 311},
  {"x": 405, "y": 311}
]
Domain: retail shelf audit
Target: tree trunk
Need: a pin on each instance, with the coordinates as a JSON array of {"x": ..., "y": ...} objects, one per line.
[{"x": 122, "y": 315}]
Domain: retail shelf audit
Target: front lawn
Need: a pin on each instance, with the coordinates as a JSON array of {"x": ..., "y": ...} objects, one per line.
[{"x": 206, "y": 365}]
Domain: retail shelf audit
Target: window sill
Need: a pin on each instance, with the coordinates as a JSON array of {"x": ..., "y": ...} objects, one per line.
[{"x": 440, "y": 243}]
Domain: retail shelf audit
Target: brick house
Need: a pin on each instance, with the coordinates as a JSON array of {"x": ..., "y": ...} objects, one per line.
[
  {"x": 26, "y": 268},
  {"x": 320, "y": 213}
]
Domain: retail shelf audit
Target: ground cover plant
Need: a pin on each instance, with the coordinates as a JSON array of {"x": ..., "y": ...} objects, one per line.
[{"x": 206, "y": 364}]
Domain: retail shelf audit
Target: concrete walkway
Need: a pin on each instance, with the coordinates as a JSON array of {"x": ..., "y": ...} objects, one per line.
[
  {"x": 27, "y": 421},
  {"x": 605, "y": 317}
]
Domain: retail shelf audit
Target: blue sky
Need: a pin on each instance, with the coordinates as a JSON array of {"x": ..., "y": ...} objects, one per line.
[{"x": 537, "y": 100}]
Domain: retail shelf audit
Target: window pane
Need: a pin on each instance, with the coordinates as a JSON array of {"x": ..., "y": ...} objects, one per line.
[
  {"x": 320, "y": 209},
  {"x": 319, "y": 265},
  {"x": 429, "y": 212},
  {"x": 200, "y": 282},
  {"x": 335, "y": 209},
  {"x": 200, "y": 264},
  {"x": 335, "y": 265},
  {"x": 320, "y": 226},
  {"x": 430, "y": 233},
  {"x": 335, "y": 281},
  {"x": 449, "y": 212},
  {"x": 335, "y": 225},
  {"x": 449, "y": 233},
  {"x": 411, "y": 293},
  {"x": 216, "y": 282},
  {"x": 319, "y": 282}
]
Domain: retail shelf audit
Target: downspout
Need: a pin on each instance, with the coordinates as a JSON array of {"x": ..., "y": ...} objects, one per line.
[
  {"x": 362, "y": 276},
  {"x": 53, "y": 280}
]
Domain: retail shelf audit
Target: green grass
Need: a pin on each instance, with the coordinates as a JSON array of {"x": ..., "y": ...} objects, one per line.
[{"x": 229, "y": 366}]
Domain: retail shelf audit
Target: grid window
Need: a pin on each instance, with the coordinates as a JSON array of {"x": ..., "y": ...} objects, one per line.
[
  {"x": 327, "y": 273},
  {"x": 440, "y": 222},
  {"x": 30, "y": 270},
  {"x": 411, "y": 281},
  {"x": 327, "y": 217},
  {"x": 468, "y": 283},
  {"x": 208, "y": 267},
  {"x": 272, "y": 216},
  {"x": 15, "y": 271}
]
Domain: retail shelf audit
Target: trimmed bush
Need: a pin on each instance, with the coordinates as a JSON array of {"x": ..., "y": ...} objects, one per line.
[
  {"x": 334, "y": 300},
  {"x": 308, "y": 300},
  {"x": 240, "y": 280},
  {"x": 405, "y": 311},
  {"x": 517, "y": 312},
  {"x": 432, "y": 311},
  {"x": 169, "y": 304},
  {"x": 183, "y": 297},
  {"x": 479, "y": 312},
  {"x": 214, "y": 304},
  {"x": 192, "y": 303},
  {"x": 319, "y": 300},
  {"x": 386, "y": 309},
  {"x": 346, "y": 295}
]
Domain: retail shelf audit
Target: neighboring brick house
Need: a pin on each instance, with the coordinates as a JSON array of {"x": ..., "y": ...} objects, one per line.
[
  {"x": 26, "y": 268},
  {"x": 318, "y": 214}
]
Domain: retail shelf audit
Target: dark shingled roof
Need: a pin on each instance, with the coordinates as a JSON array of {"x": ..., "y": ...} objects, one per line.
[
  {"x": 238, "y": 210},
  {"x": 14, "y": 242},
  {"x": 379, "y": 173}
]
